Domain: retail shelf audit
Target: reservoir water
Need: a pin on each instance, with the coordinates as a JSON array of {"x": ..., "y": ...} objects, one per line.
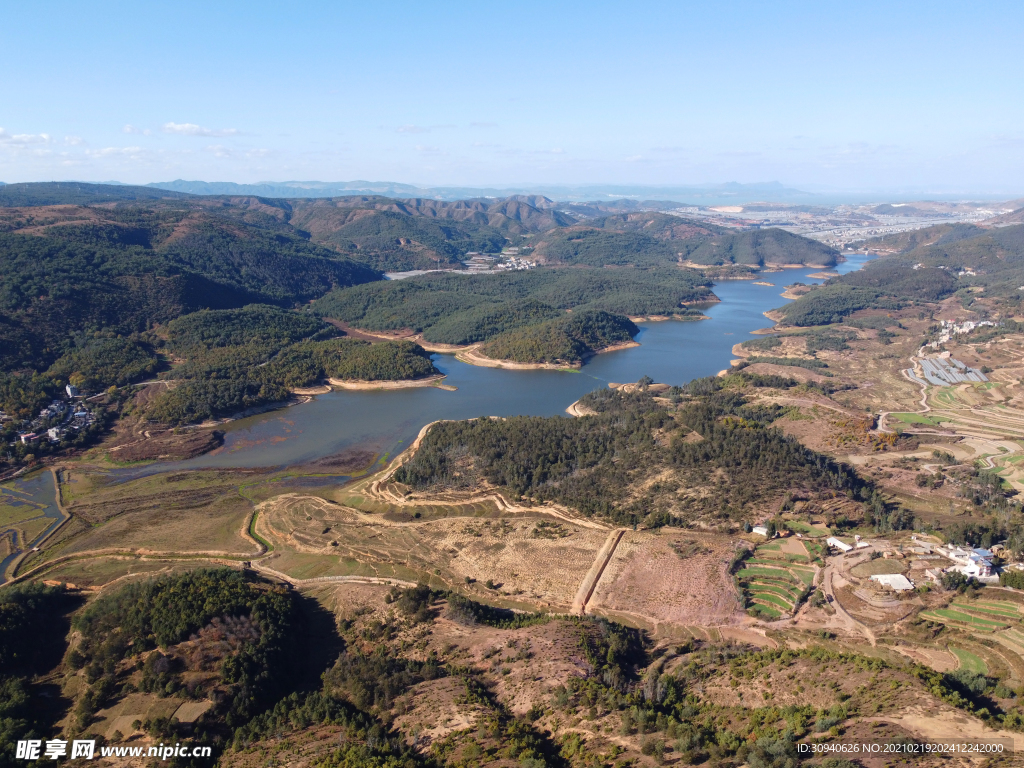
[
  {"x": 386, "y": 421},
  {"x": 28, "y": 512}
]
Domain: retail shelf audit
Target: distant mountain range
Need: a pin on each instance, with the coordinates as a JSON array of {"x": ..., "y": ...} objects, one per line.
[{"x": 731, "y": 192}]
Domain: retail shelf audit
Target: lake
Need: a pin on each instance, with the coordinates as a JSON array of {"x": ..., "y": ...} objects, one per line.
[{"x": 385, "y": 422}]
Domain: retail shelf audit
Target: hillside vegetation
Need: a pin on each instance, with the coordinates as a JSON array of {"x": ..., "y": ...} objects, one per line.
[
  {"x": 455, "y": 309},
  {"x": 927, "y": 269},
  {"x": 763, "y": 246},
  {"x": 78, "y": 193},
  {"x": 396, "y": 235},
  {"x": 568, "y": 340},
  {"x": 73, "y": 273},
  {"x": 32, "y": 630},
  {"x": 889, "y": 285},
  {"x": 650, "y": 239},
  {"x": 239, "y": 359},
  {"x": 711, "y": 457}
]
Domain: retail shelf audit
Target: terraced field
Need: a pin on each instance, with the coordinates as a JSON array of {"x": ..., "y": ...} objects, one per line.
[
  {"x": 989, "y": 416},
  {"x": 970, "y": 661},
  {"x": 775, "y": 581},
  {"x": 977, "y": 615},
  {"x": 993, "y": 630},
  {"x": 962, "y": 619}
]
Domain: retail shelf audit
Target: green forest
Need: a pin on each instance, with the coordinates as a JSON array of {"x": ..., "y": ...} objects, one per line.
[
  {"x": 599, "y": 248},
  {"x": 129, "y": 274},
  {"x": 242, "y": 358},
  {"x": 928, "y": 269},
  {"x": 458, "y": 309},
  {"x": 255, "y": 667},
  {"x": 33, "y": 624},
  {"x": 886, "y": 285},
  {"x": 760, "y": 247},
  {"x": 601, "y": 465},
  {"x": 654, "y": 240},
  {"x": 570, "y": 339},
  {"x": 394, "y": 242}
]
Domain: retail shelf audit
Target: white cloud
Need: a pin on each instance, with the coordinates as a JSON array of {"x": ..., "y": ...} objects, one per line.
[
  {"x": 411, "y": 129},
  {"x": 219, "y": 150},
  {"x": 114, "y": 151},
  {"x": 484, "y": 125},
  {"x": 191, "y": 129},
  {"x": 74, "y": 141},
  {"x": 24, "y": 138}
]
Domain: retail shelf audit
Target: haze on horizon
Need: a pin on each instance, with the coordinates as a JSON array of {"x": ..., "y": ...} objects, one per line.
[{"x": 871, "y": 97}]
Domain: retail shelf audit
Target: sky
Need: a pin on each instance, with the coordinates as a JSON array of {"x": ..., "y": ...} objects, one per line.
[{"x": 865, "y": 96}]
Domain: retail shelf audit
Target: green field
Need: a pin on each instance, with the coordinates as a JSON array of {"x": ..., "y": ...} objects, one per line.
[
  {"x": 779, "y": 573},
  {"x": 767, "y": 597},
  {"x": 770, "y": 611},
  {"x": 991, "y": 610},
  {"x": 970, "y": 661},
  {"x": 772, "y": 579},
  {"x": 916, "y": 418},
  {"x": 808, "y": 530},
  {"x": 946, "y": 615},
  {"x": 758, "y": 585}
]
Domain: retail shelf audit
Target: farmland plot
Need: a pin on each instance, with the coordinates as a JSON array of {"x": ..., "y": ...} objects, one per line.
[
  {"x": 674, "y": 576},
  {"x": 776, "y": 579}
]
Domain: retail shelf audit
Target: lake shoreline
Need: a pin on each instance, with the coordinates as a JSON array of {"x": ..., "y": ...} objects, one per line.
[{"x": 347, "y": 418}]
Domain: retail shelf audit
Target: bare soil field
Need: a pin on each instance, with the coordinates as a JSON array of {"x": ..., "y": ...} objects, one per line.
[
  {"x": 154, "y": 444},
  {"x": 672, "y": 576}
]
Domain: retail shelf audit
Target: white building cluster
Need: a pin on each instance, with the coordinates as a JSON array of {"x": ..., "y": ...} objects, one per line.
[{"x": 950, "y": 328}]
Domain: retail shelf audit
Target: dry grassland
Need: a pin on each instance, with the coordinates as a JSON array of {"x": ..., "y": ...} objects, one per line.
[
  {"x": 532, "y": 557},
  {"x": 164, "y": 513}
]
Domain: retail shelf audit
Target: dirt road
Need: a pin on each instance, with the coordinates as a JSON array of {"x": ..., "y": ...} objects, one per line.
[
  {"x": 590, "y": 581},
  {"x": 851, "y": 623}
]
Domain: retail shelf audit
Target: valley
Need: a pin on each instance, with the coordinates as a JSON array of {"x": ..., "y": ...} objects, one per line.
[{"x": 691, "y": 569}]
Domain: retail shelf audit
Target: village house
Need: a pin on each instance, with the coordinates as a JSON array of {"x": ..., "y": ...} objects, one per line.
[{"x": 835, "y": 543}]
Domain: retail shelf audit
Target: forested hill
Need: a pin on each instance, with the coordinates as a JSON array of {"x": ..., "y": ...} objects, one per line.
[
  {"x": 71, "y": 271},
  {"x": 392, "y": 234},
  {"x": 463, "y": 309},
  {"x": 240, "y": 358},
  {"x": 714, "y": 455},
  {"x": 649, "y": 239},
  {"x": 566, "y": 340},
  {"x": 395, "y": 234},
  {"x": 763, "y": 246},
  {"x": 903, "y": 242},
  {"x": 78, "y": 193},
  {"x": 959, "y": 259},
  {"x": 887, "y": 285}
]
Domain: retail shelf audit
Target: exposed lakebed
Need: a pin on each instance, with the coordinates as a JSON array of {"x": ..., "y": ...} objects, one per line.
[{"x": 386, "y": 421}]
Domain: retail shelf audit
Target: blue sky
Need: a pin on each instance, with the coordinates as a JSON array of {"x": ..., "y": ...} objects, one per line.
[{"x": 851, "y": 96}]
